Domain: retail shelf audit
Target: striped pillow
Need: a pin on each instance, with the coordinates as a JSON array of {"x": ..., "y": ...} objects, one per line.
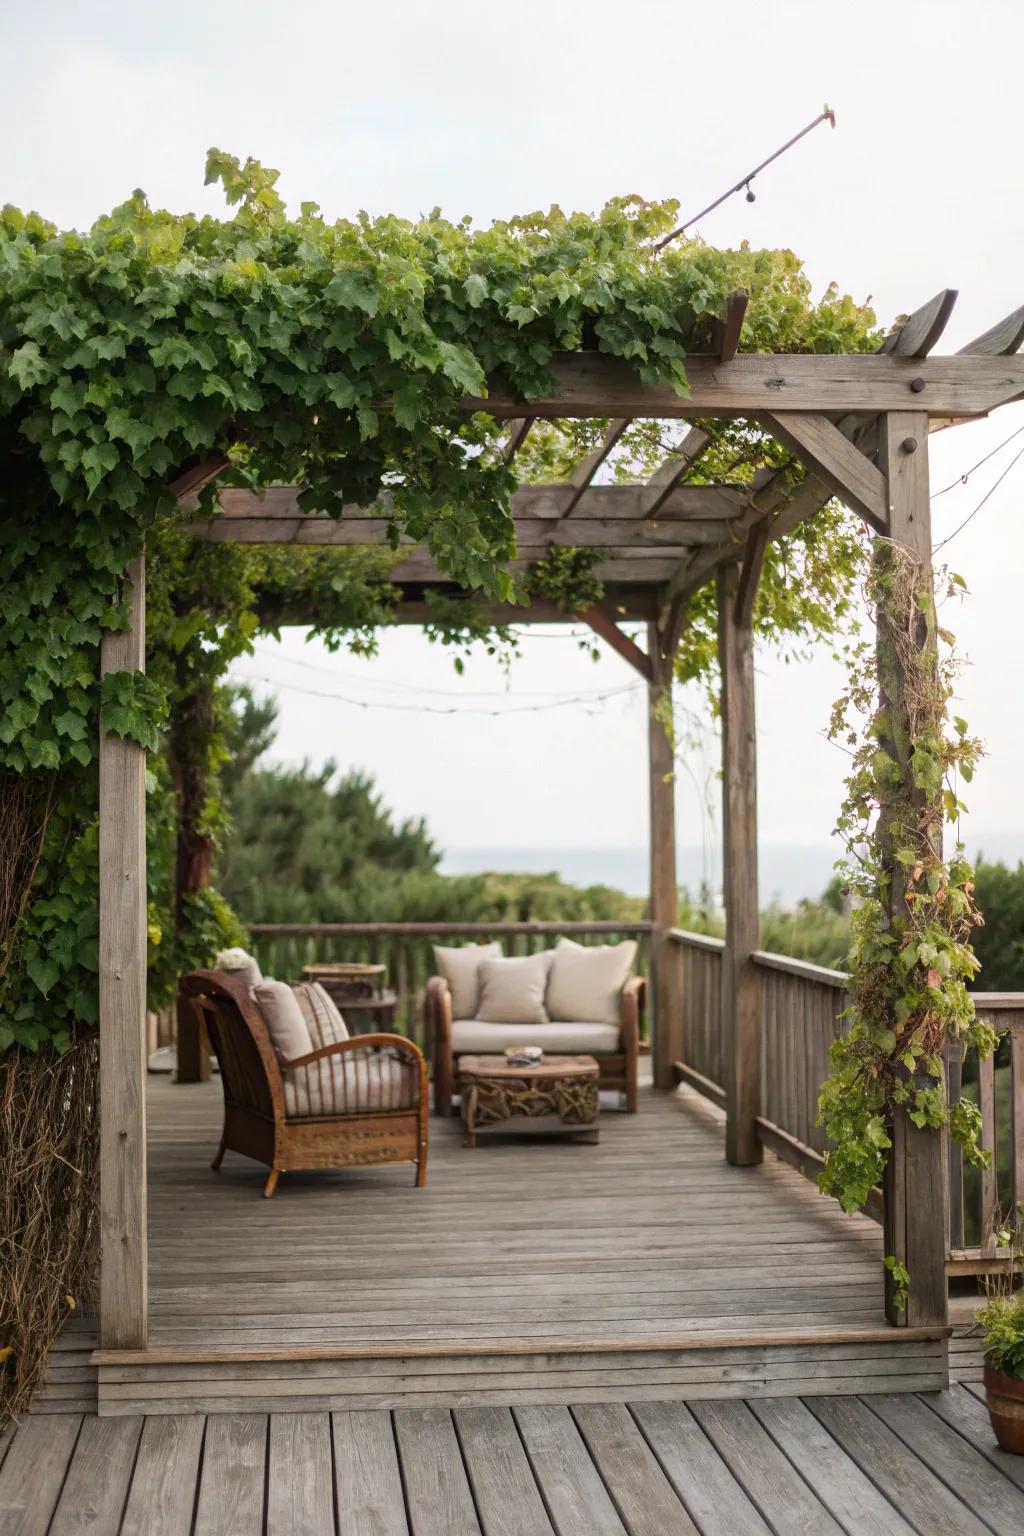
[{"x": 326, "y": 1025}]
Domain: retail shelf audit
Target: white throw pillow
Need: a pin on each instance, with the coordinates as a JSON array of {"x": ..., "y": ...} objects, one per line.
[
  {"x": 512, "y": 991},
  {"x": 325, "y": 1024},
  {"x": 459, "y": 967},
  {"x": 286, "y": 1026},
  {"x": 586, "y": 980},
  {"x": 240, "y": 966}
]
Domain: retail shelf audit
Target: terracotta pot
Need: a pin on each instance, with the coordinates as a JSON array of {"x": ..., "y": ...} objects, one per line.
[{"x": 1005, "y": 1398}]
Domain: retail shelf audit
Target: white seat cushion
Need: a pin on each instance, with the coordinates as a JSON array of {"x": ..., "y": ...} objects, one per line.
[
  {"x": 474, "y": 1036},
  {"x": 356, "y": 1082},
  {"x": 586, "y": 980}
]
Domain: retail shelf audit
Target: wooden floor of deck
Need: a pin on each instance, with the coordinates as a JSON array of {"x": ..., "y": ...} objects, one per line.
[
  {"x": 526, "y": 1271},
  {"x": 821, "y": 1467}
]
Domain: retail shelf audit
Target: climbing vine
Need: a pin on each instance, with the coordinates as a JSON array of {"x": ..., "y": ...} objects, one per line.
[{"x": 913, "y": 909}]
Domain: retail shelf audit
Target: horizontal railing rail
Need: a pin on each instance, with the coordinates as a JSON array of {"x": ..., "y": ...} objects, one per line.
[
  {"x": 405, "y": 949},
  {"x": 802, "y": 1009}
]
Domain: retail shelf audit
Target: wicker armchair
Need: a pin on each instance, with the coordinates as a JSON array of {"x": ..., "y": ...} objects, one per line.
[
  {"x": 618, "y": 1065},
  {"x": 360, "y": 1101}
]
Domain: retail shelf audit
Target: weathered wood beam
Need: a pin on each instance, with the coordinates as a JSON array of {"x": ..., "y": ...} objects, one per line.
[
  {"x": 920, "y": 331},
  {"x": 741, "y": 979},
  {"x": 916, "y": 1221},
  {"x": 665, "y": 966},
  {"x": 122, "y": 988},
  {"x": 190, "y": 482},
  {"x": 638, "y": 567},
  {"x": 583, "y": 474},
  {"x": 628, "y": 602},
  {"x": 758, "y": 540},
  {"x": 725, "y": 333},
  {"x": 676, "y": 466},
  {"x": 821, "y": 446},
  {"x": 592, "y": 384},
  {"x": 275, "y": 514},
  {"x": 518, "y": 431},
  {"x": 602, "y": 622},
  {"x": 1001, "y": 339}
]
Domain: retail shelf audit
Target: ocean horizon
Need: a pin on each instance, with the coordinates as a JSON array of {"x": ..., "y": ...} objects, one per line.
[{"x": 789, "y": 872}]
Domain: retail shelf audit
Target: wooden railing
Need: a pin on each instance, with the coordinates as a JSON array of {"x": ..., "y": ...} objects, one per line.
[
  {"x": 282, "y": 949},
  {"x": 981, "y": 1198},
  {"x": 801, "y": 1015}
]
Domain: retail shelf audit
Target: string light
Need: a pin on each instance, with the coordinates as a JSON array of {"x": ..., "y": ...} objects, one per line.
[
  {"x": 990, "y": 492},
  {"x": 455, "y": 709}
]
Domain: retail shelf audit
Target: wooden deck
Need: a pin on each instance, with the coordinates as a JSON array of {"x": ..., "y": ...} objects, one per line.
[
  {"x": 644, "y": 1267},
  {"x": 874, "y": 1466}
]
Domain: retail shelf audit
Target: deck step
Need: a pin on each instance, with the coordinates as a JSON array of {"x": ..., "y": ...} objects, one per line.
[{"x": 274, "y": 1381}]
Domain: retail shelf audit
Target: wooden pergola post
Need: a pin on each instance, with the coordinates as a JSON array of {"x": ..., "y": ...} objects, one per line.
[
  {"x": 122, "y": 979},
  {"x": 666, "y": 1003},
  {"x": 915, "y": 1191},
  {"x": 741, "y": 986}
]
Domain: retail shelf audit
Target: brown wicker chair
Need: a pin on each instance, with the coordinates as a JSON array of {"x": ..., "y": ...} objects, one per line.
[
  {"x": 618, "y": 1068},
  {"x": 370, "y": 1092}
]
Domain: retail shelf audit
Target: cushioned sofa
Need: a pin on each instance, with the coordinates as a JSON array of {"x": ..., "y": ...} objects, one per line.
[{"x": 573, "y": 1000}]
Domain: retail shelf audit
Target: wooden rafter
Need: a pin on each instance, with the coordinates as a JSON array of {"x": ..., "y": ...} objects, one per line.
[
  {"x": 585, "y": 471},
  {"x": 725, "y": 333},
  {"x": 602, "y": 622},
  {"x": 1001, "y": 339},
  {"x": 518, "y": 431},
  {"x": 920, "y": 331},
  {"x": 675, "y": 468}
]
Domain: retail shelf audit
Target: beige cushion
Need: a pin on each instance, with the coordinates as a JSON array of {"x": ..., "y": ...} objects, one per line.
[
  {"x": 286, "y": 1024},
  {"x": 325, "y": 1024},
  {"x": 586, "y": 980},
  {"x": 459, "y": 967},
  {"x": 240, "y": 966},
  {"x": 353, "y": 1083},
  {"x": 471, "y": 1037},
  {"x": 512, "y": 991}
]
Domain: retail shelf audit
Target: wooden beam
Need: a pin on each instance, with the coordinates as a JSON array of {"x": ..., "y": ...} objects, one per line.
[
  {"x": 593, "y": 384},
  {"x": 741, "y": 979},
  {"x": 518, "y": 431},
  {"x": 916, "y": 1220},
  {"x": 725, "y": 334},
  {"x": 920, "y": 331},
  {"x": 820, "y": 445},
  {"x": 1001, "y": 339},
  {"x": 666, "y": 995},
  {"x": 190, "y": 482},
  {"x": 585, "y": 471},
  {"x": 677, "y": 465},
  {"x": 122, "y": 987},
  {"x": 758, "y": 540},
  {"x": 603, "y": 623}
]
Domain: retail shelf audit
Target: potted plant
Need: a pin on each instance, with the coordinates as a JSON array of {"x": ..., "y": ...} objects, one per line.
[{"x": 1002, "y": 1323}]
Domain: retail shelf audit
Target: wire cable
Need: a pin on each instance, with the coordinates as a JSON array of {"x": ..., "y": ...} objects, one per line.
[
  {"x": 455, "y": 709},
  {"x": 990, "y": 492},
  {"x": 963, "y": 479}
]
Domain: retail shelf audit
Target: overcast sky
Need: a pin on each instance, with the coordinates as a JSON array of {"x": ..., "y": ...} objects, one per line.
[{"x": 494, "y": 110}]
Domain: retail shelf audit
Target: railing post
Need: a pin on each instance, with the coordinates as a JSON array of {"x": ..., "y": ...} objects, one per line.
[
  {"x": 122, "y": 979},
  {"x": 666, "y": 1003},
  {"x": 741, "y": 981},
  {"x": 915, "y": 1188}
]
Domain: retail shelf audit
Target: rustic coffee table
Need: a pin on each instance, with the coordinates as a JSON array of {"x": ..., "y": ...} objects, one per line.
[{"x": 557, "y": 1096}]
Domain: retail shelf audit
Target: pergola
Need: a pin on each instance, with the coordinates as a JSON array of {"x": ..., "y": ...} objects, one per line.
[{"x": 859, "y": 424}]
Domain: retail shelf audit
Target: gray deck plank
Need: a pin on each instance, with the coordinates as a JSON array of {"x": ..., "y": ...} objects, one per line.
[
  {"x": 33, "y": 1473},
  {"x": 702, "y": 1480},
  {"x": 573, "y": 1491},
  {"x": 232, "y": 1478},
  {"x": 162, "y": 1497},
  {"x": 638, "y": 1487},
  {"x": 962, "y": 1410},
  {"x": 504, "y": 1488},
  {"x": 769, "y": 1477},
  {"x": 96, "y": 1486},
  {"x": 300, "y": 1488},
  {"x": 436, "y": 1486},
  {"x": 962, "y": 1468},
  {"x": 367, "y": 1480},
  {"x": 921, "y": 1496},
  {"x": 838, "y": 1481}
]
